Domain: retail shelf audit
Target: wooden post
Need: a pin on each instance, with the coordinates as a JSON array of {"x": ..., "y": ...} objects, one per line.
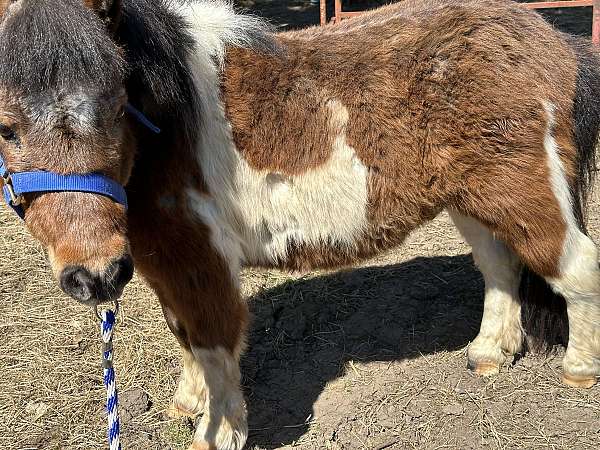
[
  {"x": 338, "y": 11},
  {"x": 323, "y": 11},
  {"x": 596, "y": 22}
]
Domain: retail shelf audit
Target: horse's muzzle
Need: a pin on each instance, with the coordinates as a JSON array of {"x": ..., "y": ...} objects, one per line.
[{"x": 79, "y": 283}]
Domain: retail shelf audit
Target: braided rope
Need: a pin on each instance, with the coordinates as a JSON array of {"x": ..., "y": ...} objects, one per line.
[{"x": 106, "y": 328}]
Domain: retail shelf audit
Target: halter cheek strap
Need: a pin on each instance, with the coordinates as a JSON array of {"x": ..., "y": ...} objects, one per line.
[{"x": 16, "y": 184}]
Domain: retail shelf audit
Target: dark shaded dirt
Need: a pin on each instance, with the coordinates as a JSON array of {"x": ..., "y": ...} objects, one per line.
[{"x": 306, "y": 332}]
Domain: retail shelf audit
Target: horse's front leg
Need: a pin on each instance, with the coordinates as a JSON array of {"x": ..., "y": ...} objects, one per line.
[
  {"x": 204, "y": 310},
  {"x": 190, "y": 397},
  {"x": 501, "y": 333}
]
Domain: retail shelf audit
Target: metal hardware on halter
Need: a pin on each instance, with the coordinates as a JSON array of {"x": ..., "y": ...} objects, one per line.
[
  {"x": 99, "y": 315},
  {"x": 15, "y": 199}
]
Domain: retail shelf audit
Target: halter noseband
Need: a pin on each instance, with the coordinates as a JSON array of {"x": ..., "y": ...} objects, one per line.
[{"x": 16, "y": 184}]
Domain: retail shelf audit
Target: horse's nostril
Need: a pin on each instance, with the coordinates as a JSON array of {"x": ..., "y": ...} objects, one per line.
[
  {"x": 116, "y": 276},
  {"x": 77, "y": 282},
  {"x": 124, "y": 271}
]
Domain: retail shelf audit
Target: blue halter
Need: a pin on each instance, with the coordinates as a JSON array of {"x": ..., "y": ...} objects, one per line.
[{"x": 16, "y": 184}]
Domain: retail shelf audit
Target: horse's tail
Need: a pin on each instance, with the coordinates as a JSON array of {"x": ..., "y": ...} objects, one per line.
[{"x": 544, "y": 313}]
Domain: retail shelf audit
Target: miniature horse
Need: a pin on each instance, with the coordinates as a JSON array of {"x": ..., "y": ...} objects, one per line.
[{"x": 299, "y": 150}]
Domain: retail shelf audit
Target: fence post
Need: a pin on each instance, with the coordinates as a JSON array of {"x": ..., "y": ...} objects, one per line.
[
  {"x": 596, "y": 22},
  {"x": 338, "y": 11},
  {"x": 323, "y": 11}
]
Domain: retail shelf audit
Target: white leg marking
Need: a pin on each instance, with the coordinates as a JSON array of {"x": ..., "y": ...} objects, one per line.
[
  {"x": 579, "y": 285},
  {"x": 223, "y": 426},
  {"x": 501, "y": 334},
  {"x": 190, "y": 397},
  {"x": 579, "y": 280}
]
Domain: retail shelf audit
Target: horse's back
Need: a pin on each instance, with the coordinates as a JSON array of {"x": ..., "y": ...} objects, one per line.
[{"x": 420, "y": 69}]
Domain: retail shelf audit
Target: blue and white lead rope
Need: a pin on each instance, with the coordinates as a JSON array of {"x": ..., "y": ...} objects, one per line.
[{"x": 112, "y": 401}]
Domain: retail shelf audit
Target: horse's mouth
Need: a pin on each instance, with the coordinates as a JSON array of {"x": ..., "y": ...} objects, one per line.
[{"x": 92, "y": 290}]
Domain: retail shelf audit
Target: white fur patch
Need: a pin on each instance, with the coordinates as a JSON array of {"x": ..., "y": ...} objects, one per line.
[
  {"x": 579, "y": 252},
  {"x": 324, "y": 205},
  {"x": 222, "y": 237},
  {"x": 262, "y": 211},
  {"x": 224, "y": 424},
  {"x": 579, "y": 279},
  {"x": 216, "y": 25},
  {"x": 190, "y": 396},
  {"x": 560, "y": 187}
]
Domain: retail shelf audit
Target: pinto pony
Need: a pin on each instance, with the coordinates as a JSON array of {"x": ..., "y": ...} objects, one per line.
[{"x": 299, "y": 150}]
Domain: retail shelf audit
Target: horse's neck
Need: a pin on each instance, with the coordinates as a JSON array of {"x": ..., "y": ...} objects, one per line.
[
  {"x": 191, "y": 153},
  {"x": 176, "y": 175}
]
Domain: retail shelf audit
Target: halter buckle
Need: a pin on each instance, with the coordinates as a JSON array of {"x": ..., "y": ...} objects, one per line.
[{"x": 15, "y": 199}]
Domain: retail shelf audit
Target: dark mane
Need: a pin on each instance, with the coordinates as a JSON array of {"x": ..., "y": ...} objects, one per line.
[
  {"x": 157, "y": 45},
  {"x": 57, "y": 45}
]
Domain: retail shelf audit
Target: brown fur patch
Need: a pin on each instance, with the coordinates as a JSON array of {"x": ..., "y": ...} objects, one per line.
[
  {"x": 61, "y": 221},
  {"x": 197, "y": 289}
]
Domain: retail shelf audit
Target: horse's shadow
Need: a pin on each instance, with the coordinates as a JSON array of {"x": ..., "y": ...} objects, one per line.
[{"x": 305, "y": 331}]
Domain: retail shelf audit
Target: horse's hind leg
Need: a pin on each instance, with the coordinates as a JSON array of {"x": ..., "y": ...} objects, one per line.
[
  {"x": 568, "y": 260},
  {"x": 500, "y": 335},
  {"x": 578, "y": 281},
  {"x": 528, "y": 204}
]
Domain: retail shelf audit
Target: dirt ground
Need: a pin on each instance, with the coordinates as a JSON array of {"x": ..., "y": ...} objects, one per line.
[{"x": 369, "y": 358}]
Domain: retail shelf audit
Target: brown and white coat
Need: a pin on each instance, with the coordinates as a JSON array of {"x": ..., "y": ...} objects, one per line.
[{"x": 321, "y": 147}]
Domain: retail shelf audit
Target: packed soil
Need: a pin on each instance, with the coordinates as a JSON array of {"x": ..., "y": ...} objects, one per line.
[{"x": 372, "y": 357}]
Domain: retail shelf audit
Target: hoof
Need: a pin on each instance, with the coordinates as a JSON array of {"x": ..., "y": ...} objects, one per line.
[
  {"x": 175, "y": 412},
  {"x": 222, "y": 432},
  {"x": 201, "y": 446},
  {"x": 579, "y": 381},
  {"x": 484, "y": 368}
]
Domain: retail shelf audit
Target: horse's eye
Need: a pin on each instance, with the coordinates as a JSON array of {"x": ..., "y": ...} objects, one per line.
[
  {"x": 120, "y": 113},
  {"x": 8, "y": 134}
]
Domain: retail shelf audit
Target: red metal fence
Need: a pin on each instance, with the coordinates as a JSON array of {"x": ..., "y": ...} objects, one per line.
[{"x": 340, "y": 14}]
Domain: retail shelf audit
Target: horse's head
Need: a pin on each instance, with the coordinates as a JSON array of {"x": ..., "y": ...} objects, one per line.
[{"x": 62, "y": 102}]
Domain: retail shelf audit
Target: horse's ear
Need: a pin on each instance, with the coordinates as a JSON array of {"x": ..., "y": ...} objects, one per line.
[{"x": 108, "y": 10}]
